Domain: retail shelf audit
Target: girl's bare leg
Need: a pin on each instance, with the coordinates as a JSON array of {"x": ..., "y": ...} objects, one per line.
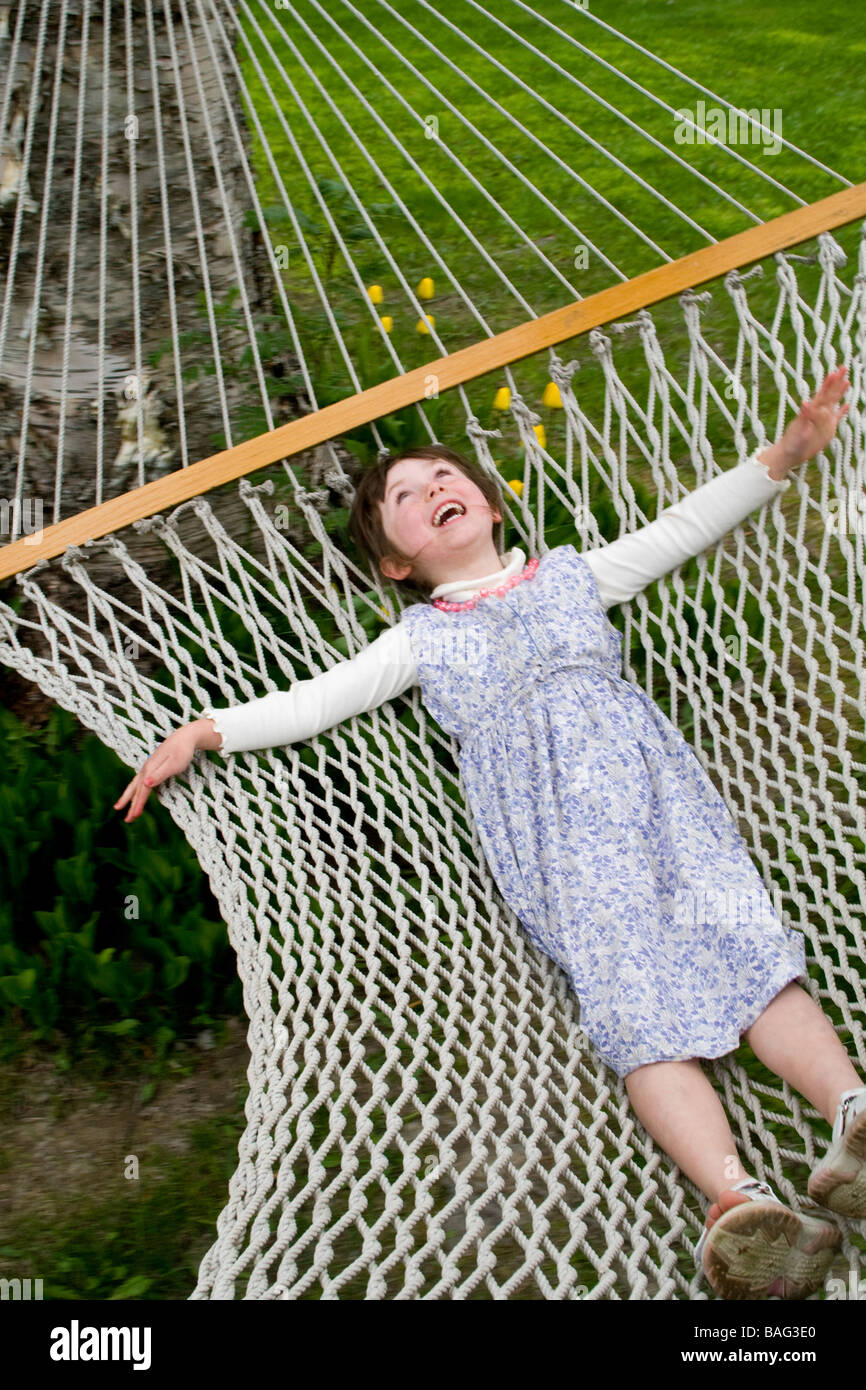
[
  {"x": 678, "y": 1107},
  {"x": 796, "y": 1040}
]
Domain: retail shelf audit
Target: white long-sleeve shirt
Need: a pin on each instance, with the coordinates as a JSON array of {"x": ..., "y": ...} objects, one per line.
[{"x": 385, "y": 668}]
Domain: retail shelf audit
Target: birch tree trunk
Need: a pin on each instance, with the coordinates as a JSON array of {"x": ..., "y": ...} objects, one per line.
[{"x": 142, "y": 292}]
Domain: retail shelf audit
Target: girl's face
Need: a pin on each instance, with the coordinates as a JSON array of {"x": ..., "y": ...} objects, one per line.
[{"x": 439, "y": 541}]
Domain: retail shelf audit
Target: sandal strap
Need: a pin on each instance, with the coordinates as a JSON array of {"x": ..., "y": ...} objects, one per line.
[
  {"x": 850, "y": 1104},
  {"x": 753, "y": 1188}
]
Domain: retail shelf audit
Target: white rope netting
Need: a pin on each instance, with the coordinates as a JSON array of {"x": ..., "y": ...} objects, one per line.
[{"x": 424, "y": 1119}]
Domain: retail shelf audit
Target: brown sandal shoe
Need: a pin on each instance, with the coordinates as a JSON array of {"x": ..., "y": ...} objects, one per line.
[
  {"x": 760, "y": 1248},
  {"x": 839, "y": 1181}
]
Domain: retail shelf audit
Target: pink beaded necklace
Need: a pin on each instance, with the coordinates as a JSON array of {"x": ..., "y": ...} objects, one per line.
[{"x": 526, "y": 573}]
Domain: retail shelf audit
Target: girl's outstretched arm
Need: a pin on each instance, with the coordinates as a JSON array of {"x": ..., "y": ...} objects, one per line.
[
  {"x": 381, "y": 671},
  {"x": 627, "y": 565}
]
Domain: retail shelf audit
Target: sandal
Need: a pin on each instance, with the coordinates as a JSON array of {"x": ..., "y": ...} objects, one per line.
[
  {"x": 760, "y": 1248},
  {"x": 839, "y": 1181}
]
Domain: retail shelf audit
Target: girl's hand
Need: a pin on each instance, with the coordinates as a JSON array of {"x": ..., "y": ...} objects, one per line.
[
  {"x": 172, "y": 756},
  {"x": 818, "y": 419}
]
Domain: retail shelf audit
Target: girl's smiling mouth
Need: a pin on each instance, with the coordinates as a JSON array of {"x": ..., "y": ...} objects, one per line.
[{"x": 446, "y": 512}]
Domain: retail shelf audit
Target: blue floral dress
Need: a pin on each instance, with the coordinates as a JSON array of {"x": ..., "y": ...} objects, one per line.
[{"x": 602, "y": 830}]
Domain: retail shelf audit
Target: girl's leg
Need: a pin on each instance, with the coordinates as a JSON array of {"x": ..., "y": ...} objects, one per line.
[
  {"x": 796, "y": 1040},
  {"x": 677, "y": 1106}
]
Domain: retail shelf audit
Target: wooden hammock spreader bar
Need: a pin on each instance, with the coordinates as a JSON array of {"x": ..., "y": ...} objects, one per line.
[{"x": 344, "y": 416}]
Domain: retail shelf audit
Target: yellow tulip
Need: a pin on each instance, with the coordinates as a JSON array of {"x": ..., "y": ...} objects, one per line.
[
  {"x": 516, "y": 485},
  {"x": 422, "y": 326},
  {"x": 425, "y": 288},
  {"x": 375, "y": 293},
  {"x": 540, "y": 435},
  {"x": 502, "y": 399},
  {"x": 551, "y": 395},
  {"x": 387, "y": 322}
]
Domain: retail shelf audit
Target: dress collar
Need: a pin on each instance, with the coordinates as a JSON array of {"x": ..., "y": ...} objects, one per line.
[{"x": 456, "y": 590}]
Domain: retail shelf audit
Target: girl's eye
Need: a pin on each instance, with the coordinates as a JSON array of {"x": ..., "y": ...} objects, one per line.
[{"x": 438, "y": 471}]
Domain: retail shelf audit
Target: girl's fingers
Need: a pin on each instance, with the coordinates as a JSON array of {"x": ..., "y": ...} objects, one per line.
[
  {"x": 136, "y": 794},
  {"x": 833, "y": 387},
  {"x": 154, "y": 772},
  {"x": 122, "y": 800},
  {"x": 138, "y": 802}
]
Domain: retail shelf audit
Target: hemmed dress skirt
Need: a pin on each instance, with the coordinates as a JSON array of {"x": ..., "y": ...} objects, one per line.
[{"x": 602, "y": 830}]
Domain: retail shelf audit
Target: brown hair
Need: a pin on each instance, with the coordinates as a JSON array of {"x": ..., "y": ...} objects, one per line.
[{"x": 365, "y": 518}]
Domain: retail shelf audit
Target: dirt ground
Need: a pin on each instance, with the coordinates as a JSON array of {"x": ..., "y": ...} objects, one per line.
[{"x": 64, "y": 1136}]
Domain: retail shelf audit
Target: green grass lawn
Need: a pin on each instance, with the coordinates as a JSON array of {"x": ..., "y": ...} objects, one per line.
[{"x": 783, "y": 57}]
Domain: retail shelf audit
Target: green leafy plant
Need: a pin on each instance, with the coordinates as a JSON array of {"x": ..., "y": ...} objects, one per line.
[{"x": 102, "y": 944}]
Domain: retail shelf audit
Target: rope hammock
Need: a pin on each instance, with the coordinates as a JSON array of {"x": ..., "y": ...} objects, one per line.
[{"x": 424, "y": 1119}]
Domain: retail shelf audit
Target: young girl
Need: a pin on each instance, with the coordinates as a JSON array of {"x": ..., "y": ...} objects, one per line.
[{"x": 601, "y": 828}]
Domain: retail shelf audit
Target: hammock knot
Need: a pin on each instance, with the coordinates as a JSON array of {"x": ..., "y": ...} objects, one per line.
[
  {"x": 248, "y": 489},
  {"x": 625, "y": 324},
  {"x": 562, "y": 372},
  {"x": 339, "y": 481},
  {"x": 314, "y": 499},
  {"x": 599, "y": 342},
  {"x": 695, "y": 297},
  {"x": 523, "y": 411},
  {"x": 150, "y": 523},
  {"x": 75, "y": 553},
  {"x": 735, "y": 278},
  {"x": 476, "y": 430},
  {"x": 830, "y": 253}
]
